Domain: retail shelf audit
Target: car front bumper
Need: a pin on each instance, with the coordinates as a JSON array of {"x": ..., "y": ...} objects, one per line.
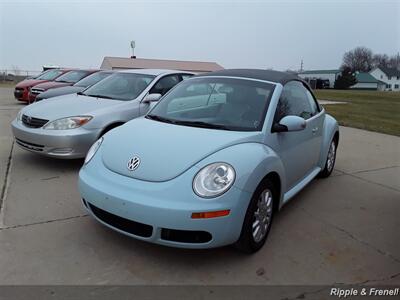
[
  {"x": 160, "y": 212},
  {"x": 67, "y": 144}
]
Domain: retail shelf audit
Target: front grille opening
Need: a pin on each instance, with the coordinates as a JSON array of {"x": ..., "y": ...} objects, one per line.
[
  {"x": 33, "y": 122},
  {"x": 36, "y": 91},
  {"x": 123, "y": 224},
  {"x": 185, "y": 236},
  {"x": 29, "y": 146}
]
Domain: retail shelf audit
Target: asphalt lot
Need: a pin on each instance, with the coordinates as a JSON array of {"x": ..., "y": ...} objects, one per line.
[{"x": 344, "y": 229}]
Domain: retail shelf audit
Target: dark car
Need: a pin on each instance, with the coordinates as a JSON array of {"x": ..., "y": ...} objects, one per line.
[
  {"x": 75, "y": 88},
  {"x": 66, "y": 79}
]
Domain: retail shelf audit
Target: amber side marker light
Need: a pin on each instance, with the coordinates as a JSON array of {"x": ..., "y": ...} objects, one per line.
[{"x": 210, "y": 214}]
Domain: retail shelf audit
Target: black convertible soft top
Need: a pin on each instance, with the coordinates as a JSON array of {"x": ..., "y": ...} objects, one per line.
[{"x": 268, "y": 75}]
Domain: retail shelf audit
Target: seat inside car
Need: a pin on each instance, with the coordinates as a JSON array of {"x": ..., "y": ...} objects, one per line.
[{"x": 234, "y": 110}]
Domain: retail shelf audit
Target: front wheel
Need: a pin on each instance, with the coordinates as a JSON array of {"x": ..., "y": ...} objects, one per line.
[
  {"x": 258, "y": 219},
  {"x": 330, "y": 160}
]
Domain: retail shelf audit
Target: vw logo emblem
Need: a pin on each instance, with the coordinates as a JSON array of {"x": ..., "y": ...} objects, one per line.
[
  {"x": 29, "y": 119},
  {"x": 133, "y": 163}
]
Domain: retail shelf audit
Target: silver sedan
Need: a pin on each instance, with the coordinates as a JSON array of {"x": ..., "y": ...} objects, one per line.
[{"x": 66, "y": 126}]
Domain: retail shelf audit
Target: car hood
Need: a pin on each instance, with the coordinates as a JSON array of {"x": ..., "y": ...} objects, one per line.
[
  {"x": 52, "y": 84},
  {"x": 165, "y": 150},
  {"x": 67, "y": 106},
  {"x": 29, "y": 82},
  {"x": 60, "y": 91}
]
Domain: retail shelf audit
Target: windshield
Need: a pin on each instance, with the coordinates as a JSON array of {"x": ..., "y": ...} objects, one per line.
[
  {"x": 72, "y": 76},
  {"x": 92, "y": 79},
  {"x": 50, "y": 75},
  {"x": 220, "y": 103},
  {"x": 38, "y": 75},
  {"x": 120, "y": 86}
]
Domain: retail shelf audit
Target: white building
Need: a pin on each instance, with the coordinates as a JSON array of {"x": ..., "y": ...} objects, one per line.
[
  {"x": 390, "y": 76},
  {"x": 366, "y": 81},
  {"x": 330, "y": 75},
  {"x": 119, "y": 63}
]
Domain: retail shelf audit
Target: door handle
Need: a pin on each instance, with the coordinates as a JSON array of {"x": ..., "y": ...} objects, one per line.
[{"x": 314, "y": 130}]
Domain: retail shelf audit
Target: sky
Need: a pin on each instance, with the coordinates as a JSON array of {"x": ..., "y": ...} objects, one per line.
[{"x": 235, "y": 34}]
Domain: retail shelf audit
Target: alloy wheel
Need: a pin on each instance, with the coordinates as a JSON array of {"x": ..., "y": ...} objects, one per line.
[{"x": 262, "y": 216}]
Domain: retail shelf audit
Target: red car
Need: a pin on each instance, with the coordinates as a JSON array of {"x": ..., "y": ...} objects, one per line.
[
  {"x": 21, "y": 92},
  {"x": 67, "y": 79}
]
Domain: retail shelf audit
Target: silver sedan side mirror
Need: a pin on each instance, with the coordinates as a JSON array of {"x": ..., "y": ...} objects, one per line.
[
  {"x": 290, "y": 123},
  {"x": 152, "y": 98}
]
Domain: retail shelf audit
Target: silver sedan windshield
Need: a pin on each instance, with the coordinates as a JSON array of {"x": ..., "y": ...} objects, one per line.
[{"x": 120, "y": 86}]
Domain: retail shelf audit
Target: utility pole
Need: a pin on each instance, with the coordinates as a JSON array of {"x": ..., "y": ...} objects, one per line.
[{"x": 301, "y": 66}]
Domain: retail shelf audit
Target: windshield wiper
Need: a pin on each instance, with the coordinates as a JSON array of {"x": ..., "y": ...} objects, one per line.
[
  {"x": 158, "y": 118},
  {"x": 201, "y": 124},
  {"x": 81, "y": 93},
  {"x": 99, "y": 96}
]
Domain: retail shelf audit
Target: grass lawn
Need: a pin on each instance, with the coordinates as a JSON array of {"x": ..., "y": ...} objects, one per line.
[
  {"x": 7, "y": 84},
  {"x": 370, "y": 110}
]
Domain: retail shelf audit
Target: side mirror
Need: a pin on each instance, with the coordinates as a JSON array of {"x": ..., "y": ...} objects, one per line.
[
  {"x": 151, "y": 98},
  {"x": 290, "y": 123}
]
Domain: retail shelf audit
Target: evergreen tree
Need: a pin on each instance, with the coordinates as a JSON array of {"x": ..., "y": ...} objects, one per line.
[{"x": 345, "y": 80}]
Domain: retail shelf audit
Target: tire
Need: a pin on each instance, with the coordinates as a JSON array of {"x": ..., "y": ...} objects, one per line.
[
  {"x": 330, "y": 160},
  {"x": 250, "y": 242}
]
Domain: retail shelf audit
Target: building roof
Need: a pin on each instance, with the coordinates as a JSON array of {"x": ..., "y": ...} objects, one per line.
[
  {"x": 154, "y": 72},
  {"x": 363, "y": 77},
  {"x": 267, "y": 75},
  {"x": 144, "y": 63},
  {"x": 321, "y": 72},
  {"x": 390, "y": 71}
]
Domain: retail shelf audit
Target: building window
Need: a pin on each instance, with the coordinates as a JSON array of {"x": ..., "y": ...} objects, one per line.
[
  {"x": 381, "y": 76},
  {"x": 396, "y": 86},
  {"x": 388, "y": 86},
  {"x": 398, "y": 77},
  {"x": 389, "y": 77}
]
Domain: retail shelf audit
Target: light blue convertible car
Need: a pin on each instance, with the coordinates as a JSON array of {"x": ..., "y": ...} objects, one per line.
[{"x": 212, "y": 162}]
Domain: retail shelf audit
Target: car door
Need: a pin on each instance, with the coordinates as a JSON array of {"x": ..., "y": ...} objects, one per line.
[
  {"x": 315, "y": 122},
  {"x": 298, "y": 149}
]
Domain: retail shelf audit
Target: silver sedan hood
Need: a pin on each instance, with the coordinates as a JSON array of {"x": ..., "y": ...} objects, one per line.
[{"x": 67, "y": 106}]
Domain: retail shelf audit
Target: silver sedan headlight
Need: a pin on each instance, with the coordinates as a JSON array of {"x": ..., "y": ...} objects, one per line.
[
  {"x": 68, "y": 123},
  {"x": 214, "y": 180},
  {"x": 93, "y": 149},
  {"x": 19, "y": 115}
]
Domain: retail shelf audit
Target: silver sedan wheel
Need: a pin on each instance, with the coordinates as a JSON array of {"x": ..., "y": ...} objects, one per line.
[
  {"x": 262, "y": 216},
  {"x": 331, "y": 157}
]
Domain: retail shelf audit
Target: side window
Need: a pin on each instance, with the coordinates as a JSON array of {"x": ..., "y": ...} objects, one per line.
[
  {"x": 186, "y": 76},
  {"x": 165, "y": 84},
  {"x": 294, "y": 101}
]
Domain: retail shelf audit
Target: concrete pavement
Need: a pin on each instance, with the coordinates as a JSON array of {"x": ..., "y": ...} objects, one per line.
[{"x": 343, "y": 229}]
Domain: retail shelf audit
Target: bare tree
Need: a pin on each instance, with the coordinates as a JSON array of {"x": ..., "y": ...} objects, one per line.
[
  {"x": 358, "y": 59},
  {"x": 394, "y": 61},
  {"x": 380, "y": 60}
]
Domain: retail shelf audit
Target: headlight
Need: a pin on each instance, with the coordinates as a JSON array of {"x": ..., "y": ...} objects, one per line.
[
  {"x": 213, "y": 180},
  {"x": 92, "y": 151},
  {"x": 19, "y": 115},
  {"x": 68, "y": 123}
]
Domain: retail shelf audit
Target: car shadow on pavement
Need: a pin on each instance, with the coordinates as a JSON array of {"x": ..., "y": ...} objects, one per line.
[{"x": 37, "y": 162}]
